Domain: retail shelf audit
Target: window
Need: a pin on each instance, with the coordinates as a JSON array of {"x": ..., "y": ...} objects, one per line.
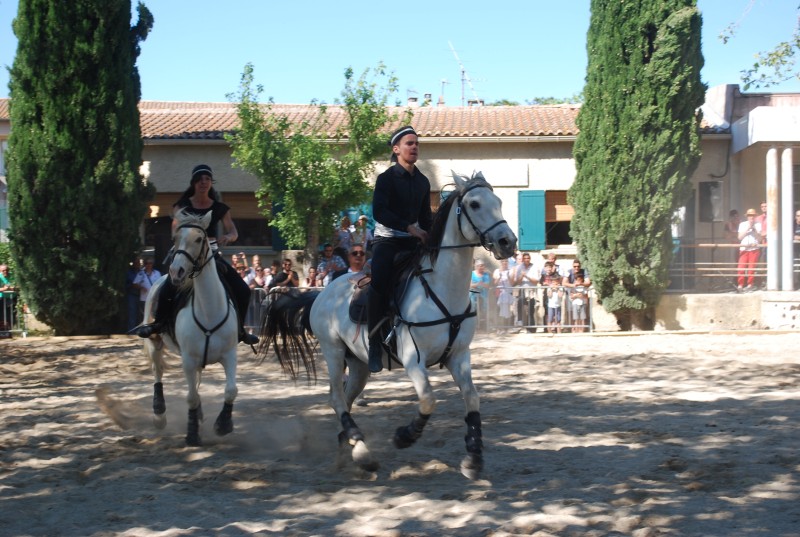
[{"x": 558, "y": 215}]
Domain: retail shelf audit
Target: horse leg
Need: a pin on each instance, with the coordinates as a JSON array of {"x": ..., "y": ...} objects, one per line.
[
  {"x": 350, "y": 435},
  {"x": 461, "y": 370},
  {"x": 356, "y": 380},
  {"x": 193, "y": 399},
  {"x": 193, "y": 427},
  {"x": 224, "y": 423},
  {"x": 154, "y": 348},
  {"x": 406, "y": 436}
]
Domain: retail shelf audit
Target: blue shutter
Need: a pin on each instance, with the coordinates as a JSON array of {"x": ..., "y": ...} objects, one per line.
[{"x": 531, "y": 234}]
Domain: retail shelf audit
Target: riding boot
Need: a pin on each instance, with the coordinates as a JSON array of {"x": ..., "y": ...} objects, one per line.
[
  {"x": 376, "y": 311},
  {"x": 244, "y": 336},
  {"x": 240, "y": 293},
  {"x": 163, "y": 307}
]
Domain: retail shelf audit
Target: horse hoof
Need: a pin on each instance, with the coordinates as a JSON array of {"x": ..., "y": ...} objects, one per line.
[
  {"x": 159, "y": 421},
  {"x": 193, "y": 440},
  {"x": 402, "y": 440},
  {"x": 363, "y": 458},
  {"x": 223, "y": 427},
  {"x": 472, "y": 466}
]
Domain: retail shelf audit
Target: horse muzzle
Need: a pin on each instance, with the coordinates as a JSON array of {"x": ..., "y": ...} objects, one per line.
[
  {"x": 503, "y": 244},
  {"x": 177, "y": 275}
]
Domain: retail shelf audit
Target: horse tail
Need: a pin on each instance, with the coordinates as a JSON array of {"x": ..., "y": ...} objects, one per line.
[{"x": 286, "y": 330}]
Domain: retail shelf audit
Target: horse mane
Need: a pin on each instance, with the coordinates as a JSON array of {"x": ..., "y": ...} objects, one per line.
[{"x": 438, "y": 226}]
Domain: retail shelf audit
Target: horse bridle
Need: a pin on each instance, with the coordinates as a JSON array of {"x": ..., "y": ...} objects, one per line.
[
  {"x": 197, "y": 267},
  {"x": 203, "y": 256},
  {"x": 482, "y": 235},
  {"x": 453, "y": 320}
]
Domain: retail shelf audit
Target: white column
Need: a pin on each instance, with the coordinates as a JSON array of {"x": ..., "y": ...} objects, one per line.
[
  {"x": 773, "y": 210},
  {"x": 787, "y": 221}
]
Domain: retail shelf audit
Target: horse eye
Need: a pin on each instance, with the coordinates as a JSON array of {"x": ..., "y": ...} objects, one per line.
[{"x": 474, "y": 205}]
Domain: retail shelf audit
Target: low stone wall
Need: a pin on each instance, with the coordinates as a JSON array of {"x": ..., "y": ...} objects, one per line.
[
  {"x": 780, "y": 310},
  {"x": 761, "y": 310}
]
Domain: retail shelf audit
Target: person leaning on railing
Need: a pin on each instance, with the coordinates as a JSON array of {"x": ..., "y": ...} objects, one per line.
[{"x": 8, "y": 298}]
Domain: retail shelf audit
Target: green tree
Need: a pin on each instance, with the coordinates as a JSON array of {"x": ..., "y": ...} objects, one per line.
[
  {"x": 314, "y": 169},
  {"x": 637, "y": 148},
  {"x": 773, "y": 66},
  {"x": 76, "y": 198},
  {"x": 576, "y": 98}
]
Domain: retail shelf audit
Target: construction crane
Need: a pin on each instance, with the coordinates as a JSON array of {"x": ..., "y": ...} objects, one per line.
[{"x": 464, "y": 78}]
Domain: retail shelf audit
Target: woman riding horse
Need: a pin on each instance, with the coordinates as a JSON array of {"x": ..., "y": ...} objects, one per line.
[{"x": 199, "y": 199}]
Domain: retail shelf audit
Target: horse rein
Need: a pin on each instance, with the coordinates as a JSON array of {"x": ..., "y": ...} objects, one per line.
[{"x": 453, "y": 320}]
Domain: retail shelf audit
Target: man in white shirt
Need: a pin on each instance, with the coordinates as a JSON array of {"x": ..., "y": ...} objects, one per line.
[
  {"x": 144, "y": 281},
  {"x": 526, "y": 276}
]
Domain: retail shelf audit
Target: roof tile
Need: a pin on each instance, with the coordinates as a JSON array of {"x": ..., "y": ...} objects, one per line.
[{"x": 161, "y": 120}]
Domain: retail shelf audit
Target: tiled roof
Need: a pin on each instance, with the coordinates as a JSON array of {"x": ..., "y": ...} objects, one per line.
[{"x": 210, "y": 121}]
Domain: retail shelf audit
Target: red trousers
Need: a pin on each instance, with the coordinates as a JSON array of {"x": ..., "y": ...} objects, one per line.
[{"x": 747, "y": 266}]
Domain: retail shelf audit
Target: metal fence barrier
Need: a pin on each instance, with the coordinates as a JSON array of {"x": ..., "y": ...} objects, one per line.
[
  {"x": 12, "y": 320},
  {"x": 525, "y": 309},
  {"x": 508, "y": 310}
]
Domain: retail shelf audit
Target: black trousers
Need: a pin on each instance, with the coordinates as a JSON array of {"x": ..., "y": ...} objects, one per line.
[{"x": 383, "y": 254}]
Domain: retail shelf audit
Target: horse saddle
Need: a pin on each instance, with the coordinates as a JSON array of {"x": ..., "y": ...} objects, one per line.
[
  {"x": 358, "y": 302},
  {"x": 403, "y": 268}
]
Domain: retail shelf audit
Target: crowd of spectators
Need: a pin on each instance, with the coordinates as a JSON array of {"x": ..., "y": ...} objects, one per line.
[{"x": 531, "y": 297}]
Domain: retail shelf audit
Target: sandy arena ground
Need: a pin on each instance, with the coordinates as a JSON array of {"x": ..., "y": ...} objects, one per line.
[{"x": 585, "y": 435}]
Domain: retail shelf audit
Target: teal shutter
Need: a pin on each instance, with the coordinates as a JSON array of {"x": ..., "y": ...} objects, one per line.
[{"x": 531, "y": 220}]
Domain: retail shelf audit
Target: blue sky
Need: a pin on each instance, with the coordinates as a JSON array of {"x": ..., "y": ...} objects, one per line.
[{"x": 515, "y": 50}]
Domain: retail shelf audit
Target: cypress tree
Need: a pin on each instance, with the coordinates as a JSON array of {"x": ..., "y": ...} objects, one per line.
[
  {"x": 637, "y": 148},
  {"x": 76, "y": 198}
]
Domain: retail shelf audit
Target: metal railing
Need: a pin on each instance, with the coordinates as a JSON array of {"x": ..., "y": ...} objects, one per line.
[
  {"x": 12, "y": 319},
  {"x": 525, "y": 309},
  {"x": 709, "y": 267},
  {"x": 520, "y": 309}
]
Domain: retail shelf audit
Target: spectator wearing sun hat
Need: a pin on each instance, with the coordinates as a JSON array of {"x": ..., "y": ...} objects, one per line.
[
  {"x": 362, "y": 234},
  {"x": 749, "y": 239}
]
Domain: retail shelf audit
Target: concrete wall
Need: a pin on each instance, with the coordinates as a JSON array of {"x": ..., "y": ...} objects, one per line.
[{"x": 762, "y": 310}]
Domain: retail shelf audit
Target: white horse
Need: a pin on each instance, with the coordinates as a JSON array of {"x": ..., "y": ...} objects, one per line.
[
  {"x": 434, "y": 325},
  {"x": 206, "y": 327}
]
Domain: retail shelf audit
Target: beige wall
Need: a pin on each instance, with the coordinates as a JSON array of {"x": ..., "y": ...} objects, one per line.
[
  {"x": 169, "y": 167},
  {"x": 509, "y": 166}
]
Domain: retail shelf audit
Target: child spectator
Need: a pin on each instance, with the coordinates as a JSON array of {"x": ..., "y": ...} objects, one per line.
[
  {"x": 555, "y": 294},
  {"x": 580, "y": 301}
]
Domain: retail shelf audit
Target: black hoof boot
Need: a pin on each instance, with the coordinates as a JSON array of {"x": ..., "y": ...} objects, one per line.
[{"x": 375, "y": 357}]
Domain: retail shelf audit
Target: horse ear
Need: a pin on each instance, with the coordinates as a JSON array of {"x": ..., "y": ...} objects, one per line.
[
  {"x": 207, "y": 219},
  {"x": 459, "y": 179},
  {"x": 478, "y": 175}
]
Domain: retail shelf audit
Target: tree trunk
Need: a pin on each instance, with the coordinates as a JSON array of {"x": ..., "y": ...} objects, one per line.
[
  {"x": 311, "y": 252},
  {"x": 630, "y": 320}
]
